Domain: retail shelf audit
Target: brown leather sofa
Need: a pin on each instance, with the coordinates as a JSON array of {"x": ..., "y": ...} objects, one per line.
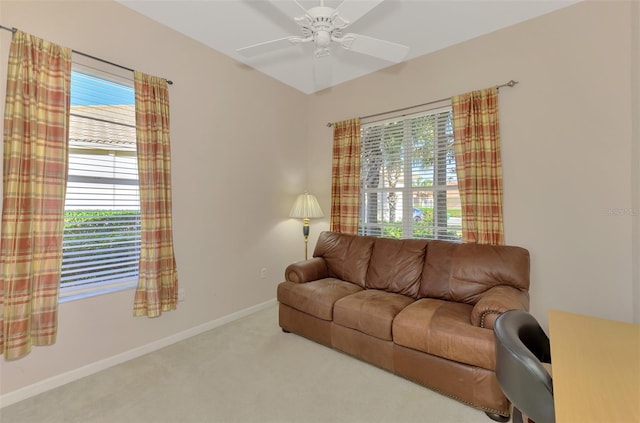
[{"x": 423, "y": 310}]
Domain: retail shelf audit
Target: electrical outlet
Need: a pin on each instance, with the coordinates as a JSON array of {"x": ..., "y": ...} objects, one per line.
[
  {"x": 181, "y": 294},
  {"x": 263, "y": 273}
]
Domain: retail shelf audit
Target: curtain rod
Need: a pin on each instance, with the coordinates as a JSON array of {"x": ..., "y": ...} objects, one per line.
[
  {"x": 507, "y": 84},
  {"x": 89, "y": 56}
]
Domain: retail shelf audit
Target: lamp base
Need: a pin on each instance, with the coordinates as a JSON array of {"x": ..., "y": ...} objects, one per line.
[{"x": 305, "y": 232}]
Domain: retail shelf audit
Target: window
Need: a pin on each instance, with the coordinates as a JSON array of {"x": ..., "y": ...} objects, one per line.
[
  {"x": 409, "y": 187},
  {"x": 101, "y": 242}
]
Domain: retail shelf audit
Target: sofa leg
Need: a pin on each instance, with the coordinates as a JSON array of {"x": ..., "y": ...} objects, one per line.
[
  {"x": 497, "y": 417},
  {"x": 285, "y": 331}
]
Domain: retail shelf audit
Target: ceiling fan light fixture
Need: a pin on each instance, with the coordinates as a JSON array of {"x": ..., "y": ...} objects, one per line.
[{"x": 323, "y": 38}]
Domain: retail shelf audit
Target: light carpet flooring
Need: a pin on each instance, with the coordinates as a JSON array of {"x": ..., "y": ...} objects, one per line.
[{"x": 244, "y": 371}]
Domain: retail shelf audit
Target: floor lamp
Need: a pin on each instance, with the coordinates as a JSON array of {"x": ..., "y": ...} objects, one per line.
[{"x": 306, "y": 207}]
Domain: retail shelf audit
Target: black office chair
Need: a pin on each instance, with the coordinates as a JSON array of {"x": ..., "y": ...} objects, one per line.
[{"x": 521, "y": 348}]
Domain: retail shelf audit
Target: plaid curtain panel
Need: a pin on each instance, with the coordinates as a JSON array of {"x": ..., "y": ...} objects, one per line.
[
  {"x": 478, "y": 165},
  {"x": 36, "y": 129},
  {"x": 158, "y": 278},
  {"x": 345, "y": 177}
]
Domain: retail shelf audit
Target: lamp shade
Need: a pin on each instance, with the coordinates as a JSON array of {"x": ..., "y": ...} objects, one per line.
[{"x": 306, "y": 207}]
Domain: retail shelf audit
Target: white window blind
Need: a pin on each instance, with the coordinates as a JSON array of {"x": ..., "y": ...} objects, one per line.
[
  {"x": 409, "y": 187},
  {"x": 101, "y": 243}
]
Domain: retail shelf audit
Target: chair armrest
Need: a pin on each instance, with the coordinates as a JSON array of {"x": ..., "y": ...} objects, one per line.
[
  {"x": 307, "y": 270},
  {"x": 496, "y": 301}
]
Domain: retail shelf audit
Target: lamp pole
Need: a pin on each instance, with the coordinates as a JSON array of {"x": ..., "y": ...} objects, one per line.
[{"x": 305, "y": 232}]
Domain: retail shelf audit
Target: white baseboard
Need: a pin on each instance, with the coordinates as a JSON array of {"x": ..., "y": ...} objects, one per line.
[{"x": 64, "y": 378}]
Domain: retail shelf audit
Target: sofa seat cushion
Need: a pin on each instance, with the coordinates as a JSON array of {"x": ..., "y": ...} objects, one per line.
[
  {"x": 370, "y": 312},
  {"x": 315, "y": 298},
  {"x": 444, "y": 329}
]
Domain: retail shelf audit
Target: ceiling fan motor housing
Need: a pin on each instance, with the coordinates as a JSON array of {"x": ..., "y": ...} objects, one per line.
[{"x": 322, "y": 25}]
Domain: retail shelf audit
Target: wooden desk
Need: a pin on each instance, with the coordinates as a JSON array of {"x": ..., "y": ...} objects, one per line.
[{"x": 596, "y": 369}]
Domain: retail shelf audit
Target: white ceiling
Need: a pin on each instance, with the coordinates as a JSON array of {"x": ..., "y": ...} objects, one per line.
[{"x": 423, "y": 25}]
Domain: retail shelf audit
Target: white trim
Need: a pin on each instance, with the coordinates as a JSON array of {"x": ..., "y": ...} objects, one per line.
[
  {"x": 73, "y": 293},
  {"x": 73, "y": 375}
]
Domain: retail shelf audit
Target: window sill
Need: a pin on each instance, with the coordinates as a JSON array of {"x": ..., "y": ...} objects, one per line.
[{"x": 73, "y": 293}]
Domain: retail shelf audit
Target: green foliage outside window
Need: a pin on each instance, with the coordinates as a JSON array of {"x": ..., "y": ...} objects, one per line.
[
  {"x": 90, "y": 234},
  {"x": 425, "y": 227}
]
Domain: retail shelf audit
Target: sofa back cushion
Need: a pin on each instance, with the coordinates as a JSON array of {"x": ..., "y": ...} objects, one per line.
[
  {"x": 347, "y": 256},
  {"x": 463, "y": 272},
  {"x": 396, "y": 265}
]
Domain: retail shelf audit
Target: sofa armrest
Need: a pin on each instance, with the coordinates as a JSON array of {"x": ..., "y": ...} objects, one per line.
[
  {"x": 307, "y": 270},
  {"x": 496, "y": 301}
]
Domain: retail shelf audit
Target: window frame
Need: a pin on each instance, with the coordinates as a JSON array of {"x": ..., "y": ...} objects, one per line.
[
  {"x": 119, "y": 76},
  {"x": 443, "y": 159}
]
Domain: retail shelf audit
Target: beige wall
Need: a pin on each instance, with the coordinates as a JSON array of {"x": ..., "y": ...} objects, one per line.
[
  {"x": 238, "y": 162},
  {"x": 635, "y": 156},
  {"x": 566, "y": 144},
  {"x": 568, "y": 131}
]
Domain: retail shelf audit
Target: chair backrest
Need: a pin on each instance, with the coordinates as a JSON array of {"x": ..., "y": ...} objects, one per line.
[{"x": 521, "y": 347}]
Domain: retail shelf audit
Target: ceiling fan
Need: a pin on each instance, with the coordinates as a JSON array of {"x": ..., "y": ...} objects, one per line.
[{"x": 324, "y": 26}]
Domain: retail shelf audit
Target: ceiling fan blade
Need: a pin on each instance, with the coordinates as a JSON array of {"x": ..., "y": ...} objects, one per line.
[
  {"x": 382, "y": 49},
  {"x": 290, "y": 8},
  {"x": 322, "y": 71},
  {"x": 352, "y": 10},
  {"x": 266, "y": 47}
]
